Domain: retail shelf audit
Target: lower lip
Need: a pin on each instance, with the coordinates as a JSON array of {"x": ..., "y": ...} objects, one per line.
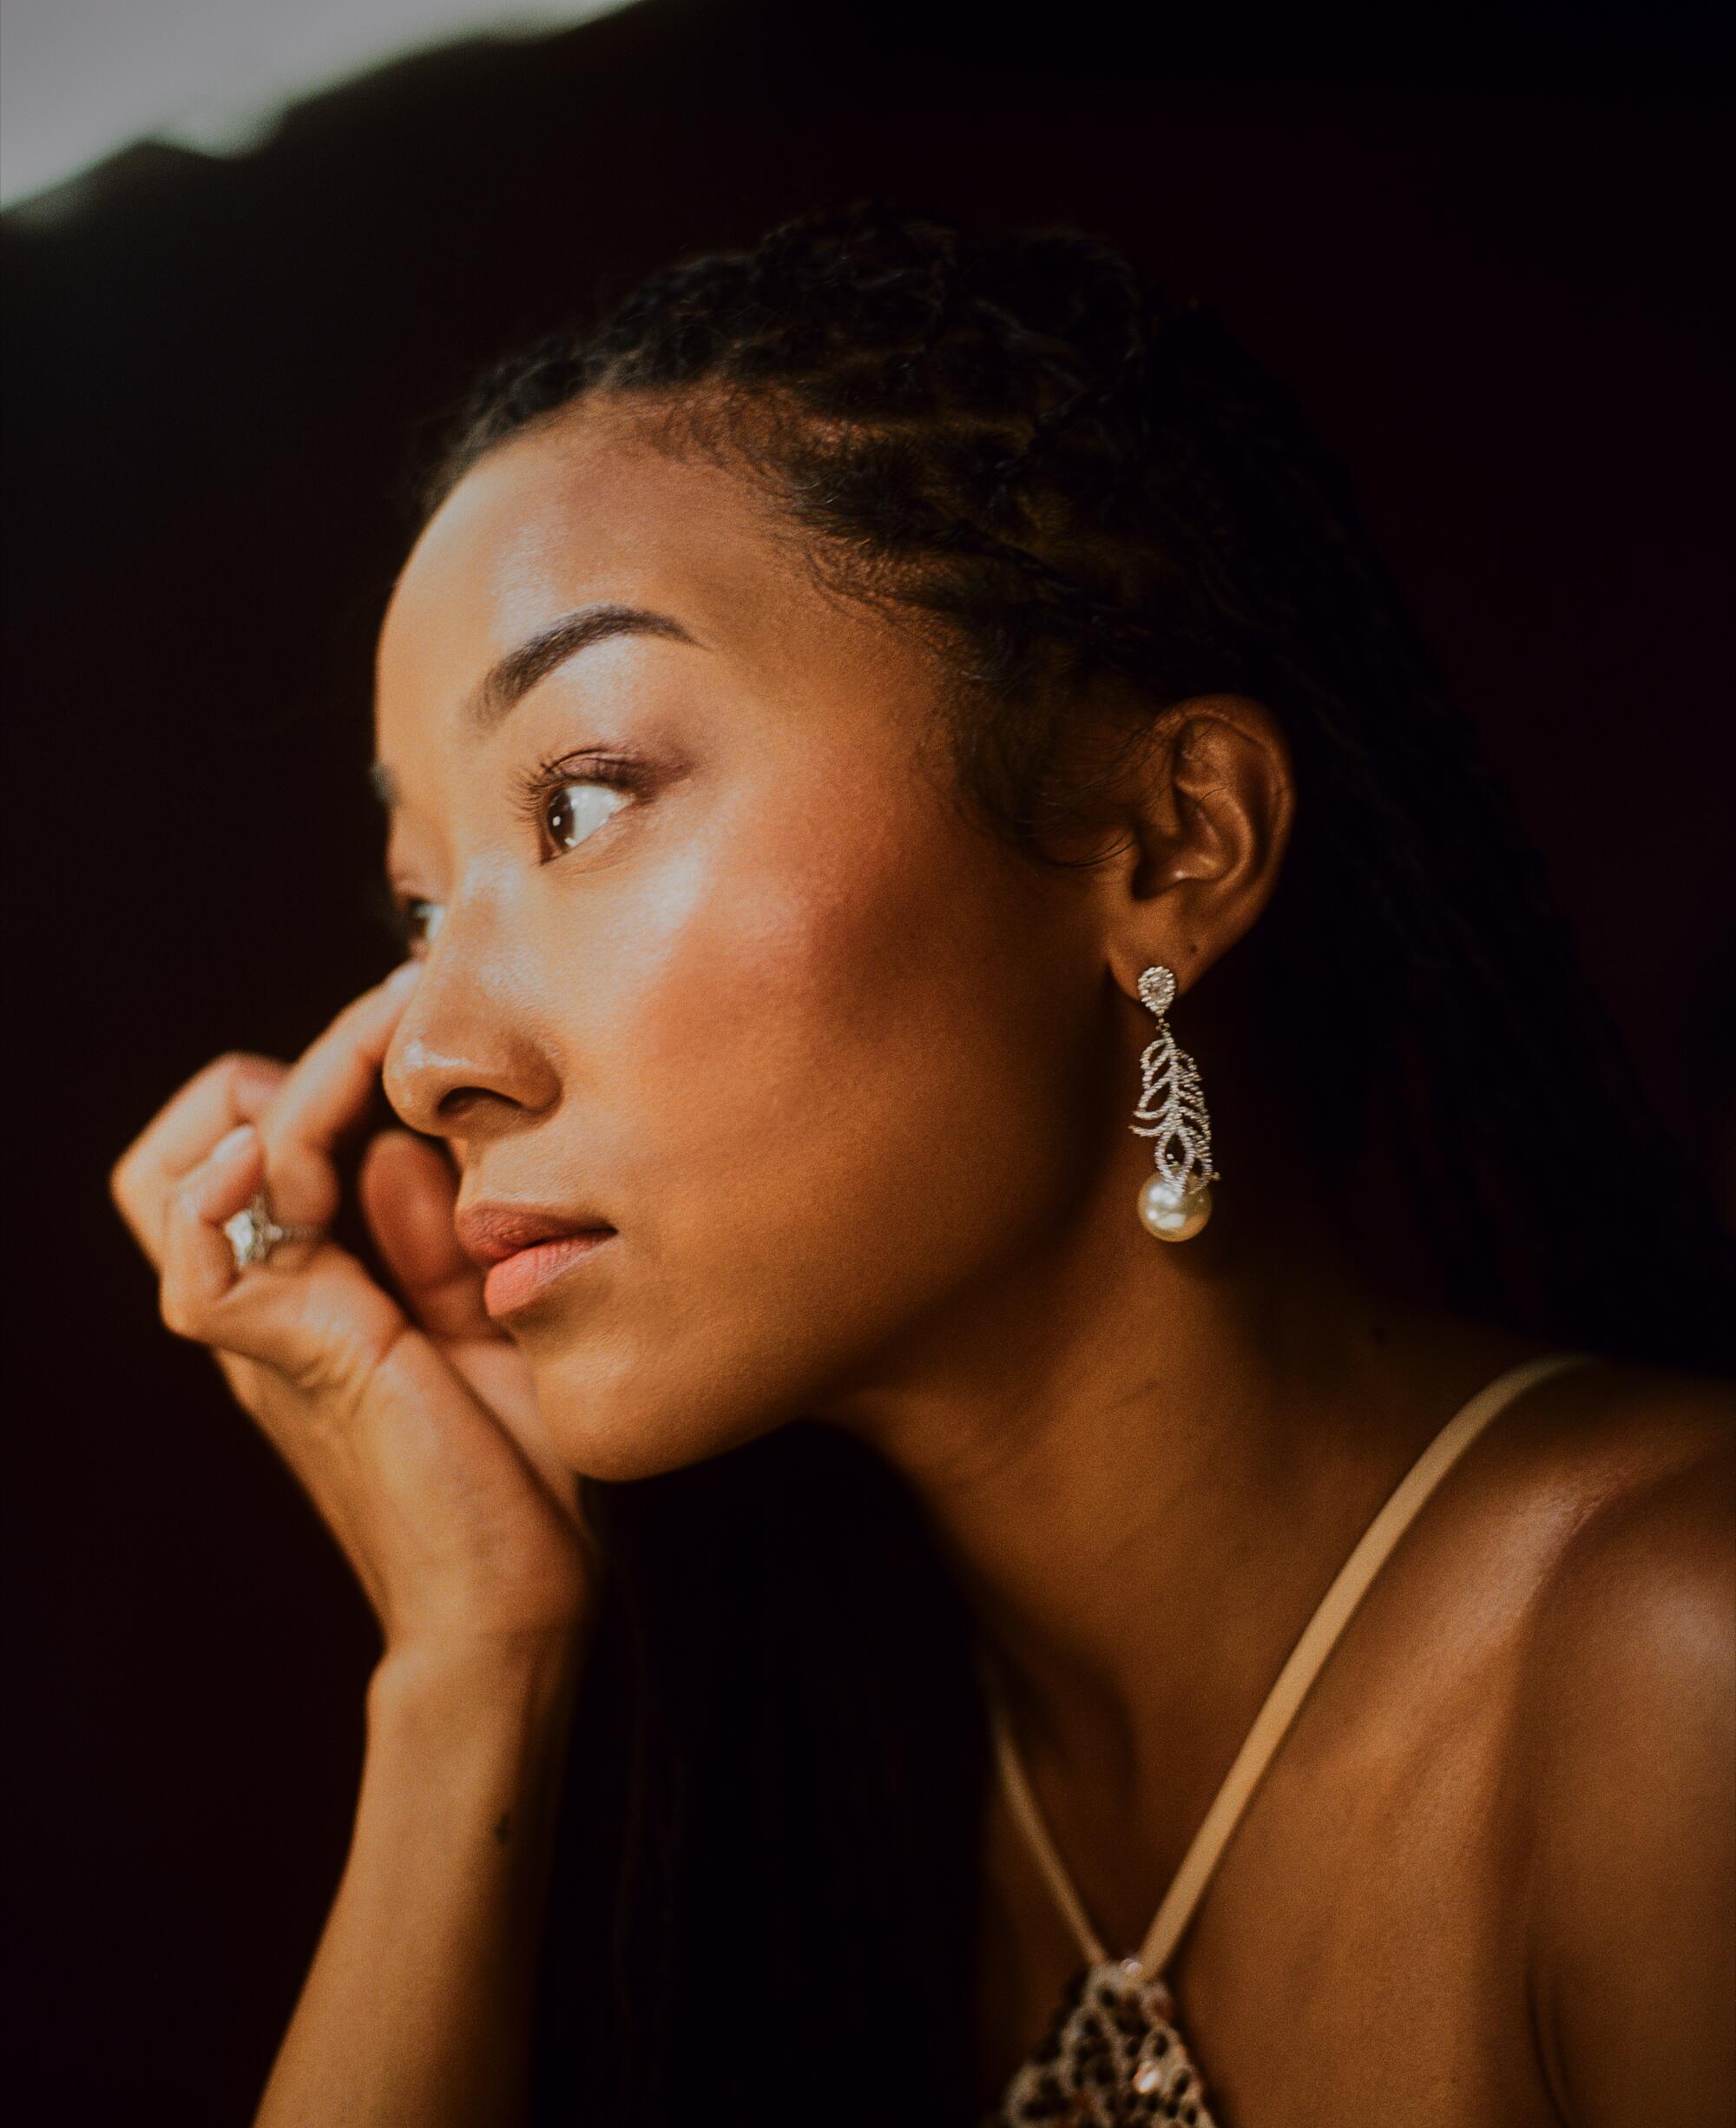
[{"x": 517, "y": 1280}]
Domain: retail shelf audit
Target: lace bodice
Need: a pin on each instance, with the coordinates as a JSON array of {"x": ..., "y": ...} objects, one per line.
[{"x": 1112, "y": 2059}]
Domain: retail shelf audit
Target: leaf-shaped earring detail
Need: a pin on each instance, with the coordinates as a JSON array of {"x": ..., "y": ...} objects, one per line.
[{"x": 1176, "y": 1201}]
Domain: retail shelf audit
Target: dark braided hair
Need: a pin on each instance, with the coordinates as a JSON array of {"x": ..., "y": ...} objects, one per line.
[{"x": 1059, "y": 477}]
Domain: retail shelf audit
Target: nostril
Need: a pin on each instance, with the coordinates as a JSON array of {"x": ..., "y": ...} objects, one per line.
[{"x": 462, "y": 1101}]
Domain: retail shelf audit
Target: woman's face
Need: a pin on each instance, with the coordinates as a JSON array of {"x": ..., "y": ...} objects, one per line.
[{"x": 743, "y": 980}]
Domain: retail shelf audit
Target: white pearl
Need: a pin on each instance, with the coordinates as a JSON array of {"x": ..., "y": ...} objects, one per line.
[{"x": 1172, "y": 1213}]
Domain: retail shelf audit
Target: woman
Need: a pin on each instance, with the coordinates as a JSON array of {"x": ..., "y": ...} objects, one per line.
[{"x": 1012, "y": 1220}]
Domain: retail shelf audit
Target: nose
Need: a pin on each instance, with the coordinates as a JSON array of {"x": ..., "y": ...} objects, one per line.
[{"x": 461, "y": 1061}]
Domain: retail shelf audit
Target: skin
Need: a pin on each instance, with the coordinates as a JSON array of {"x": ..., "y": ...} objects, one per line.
[{"x": 850, "y": 1079}]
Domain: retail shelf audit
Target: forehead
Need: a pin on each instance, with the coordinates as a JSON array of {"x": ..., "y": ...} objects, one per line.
[{"x": 585, "y": 511}]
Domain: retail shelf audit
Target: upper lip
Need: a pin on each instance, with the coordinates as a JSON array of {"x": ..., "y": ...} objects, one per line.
[{"x": 488, "y": 1233}]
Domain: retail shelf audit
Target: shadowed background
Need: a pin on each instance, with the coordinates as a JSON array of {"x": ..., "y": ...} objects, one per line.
[{"x": 1487, "y": 267}]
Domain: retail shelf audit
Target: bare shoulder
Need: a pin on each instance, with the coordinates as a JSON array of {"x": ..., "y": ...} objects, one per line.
[
  {"x": 1636, "y": 1615},
  {"x": 1627, "y": 1734},
  {"x": 1645, "y": 1460}
]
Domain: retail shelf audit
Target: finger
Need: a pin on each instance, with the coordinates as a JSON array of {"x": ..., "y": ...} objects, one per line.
[
  {"x": 408, "y": 1191},
  {"x": 232, "y": 1088},
  {"x": 198, "y": 1264},
  {"x": 332, "y": 1330},
  {"x": 327, "y": 1092}
]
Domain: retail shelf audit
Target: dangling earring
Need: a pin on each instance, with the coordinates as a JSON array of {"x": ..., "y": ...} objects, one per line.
[{"x": 1176, "y": 1201}]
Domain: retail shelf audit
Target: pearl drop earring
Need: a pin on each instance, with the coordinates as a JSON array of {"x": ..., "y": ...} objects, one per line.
[{"x": 1176, "y": 1201}]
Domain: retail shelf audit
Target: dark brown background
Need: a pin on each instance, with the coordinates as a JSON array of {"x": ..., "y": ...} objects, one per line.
[{"x": 1486, "y": 257}]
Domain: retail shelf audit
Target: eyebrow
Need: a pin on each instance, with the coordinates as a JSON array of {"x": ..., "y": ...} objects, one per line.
[{"x": 506, "y": 683}]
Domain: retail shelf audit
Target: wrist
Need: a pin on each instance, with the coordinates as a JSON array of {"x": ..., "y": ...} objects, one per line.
[{"x": 459, "y": 1682}]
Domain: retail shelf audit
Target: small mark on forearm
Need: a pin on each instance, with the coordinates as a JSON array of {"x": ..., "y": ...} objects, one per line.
[{"x": 503, "y": 1826}]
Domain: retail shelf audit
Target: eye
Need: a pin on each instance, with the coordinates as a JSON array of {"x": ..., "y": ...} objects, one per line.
[
  {"x": 572, "y": 811},
  {"x": 408, "y": 920},
  {"x": 418, "y": 920},
  {"x": 570, "y": 798}
]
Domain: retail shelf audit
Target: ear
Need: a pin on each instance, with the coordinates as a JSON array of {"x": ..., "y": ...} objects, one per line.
[{"x": 1206, "y": 815}]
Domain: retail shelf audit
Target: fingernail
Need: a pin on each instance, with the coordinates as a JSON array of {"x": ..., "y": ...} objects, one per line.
[
  {"x": 232, "y": 1142},
  {"x": 403, "y": 977}
]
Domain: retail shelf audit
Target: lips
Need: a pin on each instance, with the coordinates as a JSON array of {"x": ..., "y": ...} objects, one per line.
[
  {"x": 489, "y": 1234},
  {"x": 525, "y": 1248}
]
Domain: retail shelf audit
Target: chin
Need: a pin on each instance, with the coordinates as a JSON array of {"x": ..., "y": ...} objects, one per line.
[{"x": 614, "y": 1417}]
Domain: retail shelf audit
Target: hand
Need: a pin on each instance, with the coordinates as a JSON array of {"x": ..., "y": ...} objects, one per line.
[{"x": 410, "y": 1421}]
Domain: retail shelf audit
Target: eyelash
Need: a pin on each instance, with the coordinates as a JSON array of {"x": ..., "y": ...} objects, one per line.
[
  {"x": 556, "y": 770},
  {"x": 530, "y": 790}
]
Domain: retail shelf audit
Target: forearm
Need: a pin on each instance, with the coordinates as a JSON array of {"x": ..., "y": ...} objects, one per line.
[{"x": 417, "y": 2007}]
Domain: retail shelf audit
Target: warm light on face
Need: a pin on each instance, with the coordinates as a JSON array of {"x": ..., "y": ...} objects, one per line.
[{"x": 711, "y": 955}]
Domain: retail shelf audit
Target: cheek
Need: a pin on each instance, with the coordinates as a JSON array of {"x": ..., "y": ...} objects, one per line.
[
  {"x": 848, "y": 1070},
  {"x": 811, "y": 1148},
  {"x": 830, "y": 1087},
  {"x": 815, "y": 982}
]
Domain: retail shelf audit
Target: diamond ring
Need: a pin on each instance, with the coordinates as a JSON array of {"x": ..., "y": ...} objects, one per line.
[{"x": 253, "y": 1233}]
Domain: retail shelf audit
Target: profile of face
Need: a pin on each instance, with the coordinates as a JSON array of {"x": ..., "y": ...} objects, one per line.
[{"x": 716, "y": 956}]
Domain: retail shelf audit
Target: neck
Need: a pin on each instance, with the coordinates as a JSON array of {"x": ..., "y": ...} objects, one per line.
[{"x": 1145, "y": 1463}]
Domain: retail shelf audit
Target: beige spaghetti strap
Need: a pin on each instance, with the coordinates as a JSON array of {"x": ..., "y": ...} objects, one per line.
[{"x": 1298, "y": 1673}]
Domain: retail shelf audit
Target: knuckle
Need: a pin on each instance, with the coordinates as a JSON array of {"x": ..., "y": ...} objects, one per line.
[
  {"x": 121, "y": 1182},
  {"x": 249, "y": 1064},
  {"x": 232, "y": 1071},
  {"x": 237, "y": 1062},
  {"x": 245, "y": 1078},
  {"x": 179, "y": 1316},
  {"x": 215, "y": 1071},
  {"x": 130, "y": 1163}
]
